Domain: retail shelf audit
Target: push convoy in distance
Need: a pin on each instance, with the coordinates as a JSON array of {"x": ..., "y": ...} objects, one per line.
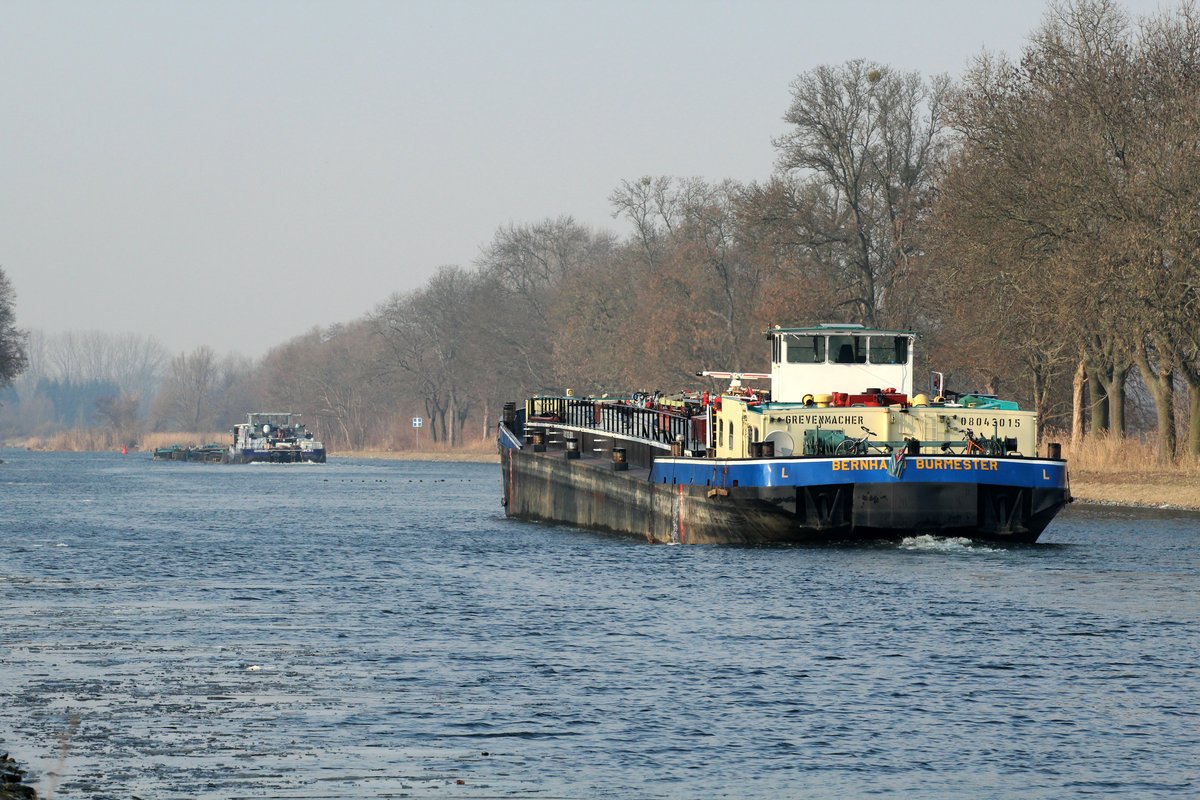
[
  {"x": 272, "y": 438},
  {"x": 839, "y": 447}
]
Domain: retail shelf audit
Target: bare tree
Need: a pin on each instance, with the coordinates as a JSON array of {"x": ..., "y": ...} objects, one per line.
[
  {"x": 525, "y": 269},
  {"x": 867, "y": 142},
  {"x": 427, "y": 340},
  {"x": 797, "y": 285},
  {"x": 650, "y": 205},
  {"x": 331, "y": 377},
  {"x": 131, "y": 363},
  {"x": 187, "y": 400},
  {"x": 13, "y": 355},
  {"x": 529, "y": 261},
  {"x": 119, "y": 413},
  {"x": 701, "y": 283},
  {"x": 1073, "y": 183}
]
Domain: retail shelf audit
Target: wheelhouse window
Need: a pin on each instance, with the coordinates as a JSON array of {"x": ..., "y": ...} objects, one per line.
[
  {"x": 805, "y": 349},
  {"x": 848, "y": 349},
  {"x": 889, "y": 349}
]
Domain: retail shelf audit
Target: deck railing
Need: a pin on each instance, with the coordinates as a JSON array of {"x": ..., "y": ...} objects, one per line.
[{"x": 655, "y": 425}]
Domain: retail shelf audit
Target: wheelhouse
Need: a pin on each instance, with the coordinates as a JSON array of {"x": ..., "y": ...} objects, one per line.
[{"x": 847, "y": 358}]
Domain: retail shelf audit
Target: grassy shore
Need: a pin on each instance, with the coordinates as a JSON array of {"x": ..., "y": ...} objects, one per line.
[
  {"x": 1127, "y": 472},
  {"x": 90, "y": 440},
  {"x": 1152, "y": 490},
  {"x": 470, "y": 455}
]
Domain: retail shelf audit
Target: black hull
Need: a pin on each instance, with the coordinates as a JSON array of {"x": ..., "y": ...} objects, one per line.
[
  {"x": 279, "y": 457},
  {"x": 210, "y": 455},
  {"x": 589, "y": 493}
]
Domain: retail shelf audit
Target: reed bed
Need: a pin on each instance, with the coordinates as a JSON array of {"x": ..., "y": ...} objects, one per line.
[
  {"x": 83, "y": 440},
  {"x": 79, "y": 440},
  {"x": 1123, "y": 455},
  {"x": 1126, "y": 471}
]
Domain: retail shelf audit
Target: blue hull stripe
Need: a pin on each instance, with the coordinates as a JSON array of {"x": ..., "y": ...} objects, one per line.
[
  {"x": 508, "y": 439},
  {"x": 1034, "y": 473}
]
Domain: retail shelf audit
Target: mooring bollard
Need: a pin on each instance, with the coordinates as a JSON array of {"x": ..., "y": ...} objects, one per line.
[
  {"x": 572, "y": 447},
  {"x": 1054, "y": 451},
  {"x": 539, "y": 441},
  {"x": 618, "y": 459}
]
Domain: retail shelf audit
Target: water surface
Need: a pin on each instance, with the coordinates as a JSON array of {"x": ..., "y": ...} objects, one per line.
[{"x": 379, "y": 629}]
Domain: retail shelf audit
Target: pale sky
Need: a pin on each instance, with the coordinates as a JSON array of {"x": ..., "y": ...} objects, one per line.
[{"x": 232, "y": 174}]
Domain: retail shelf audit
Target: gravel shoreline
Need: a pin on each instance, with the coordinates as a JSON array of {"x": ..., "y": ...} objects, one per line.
[{"x": 13, "y": 779}]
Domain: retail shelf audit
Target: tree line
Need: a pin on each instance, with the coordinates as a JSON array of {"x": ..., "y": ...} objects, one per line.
[{"x": 1036, "y": 220}]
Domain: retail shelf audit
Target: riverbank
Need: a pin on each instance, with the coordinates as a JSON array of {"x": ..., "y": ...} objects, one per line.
[
  {"x": 1126, "y": 471},
  {"x": 13, "y": 781},
  {"x": 489, "y": 456},
  {"x": 1136, "y": 490}
]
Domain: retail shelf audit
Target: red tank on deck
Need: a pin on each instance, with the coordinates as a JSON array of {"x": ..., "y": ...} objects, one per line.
[{"x": 872, "y": 397}]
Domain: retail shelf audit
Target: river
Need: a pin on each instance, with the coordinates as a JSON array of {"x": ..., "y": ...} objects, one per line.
[{"x": 379, "y": 629}]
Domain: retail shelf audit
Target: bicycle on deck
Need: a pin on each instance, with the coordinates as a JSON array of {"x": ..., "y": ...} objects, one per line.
[
  {"x": 976, "y": 445},
  {"x": 861, "y": 445}
]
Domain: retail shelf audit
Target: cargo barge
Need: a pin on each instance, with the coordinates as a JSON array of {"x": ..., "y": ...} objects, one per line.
[
  {"x": 838, "y": 448},
  {"x": 210, "y": 453}
]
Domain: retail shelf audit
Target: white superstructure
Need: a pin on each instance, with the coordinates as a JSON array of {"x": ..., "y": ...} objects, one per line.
[{"x": 844, "y": 358}]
